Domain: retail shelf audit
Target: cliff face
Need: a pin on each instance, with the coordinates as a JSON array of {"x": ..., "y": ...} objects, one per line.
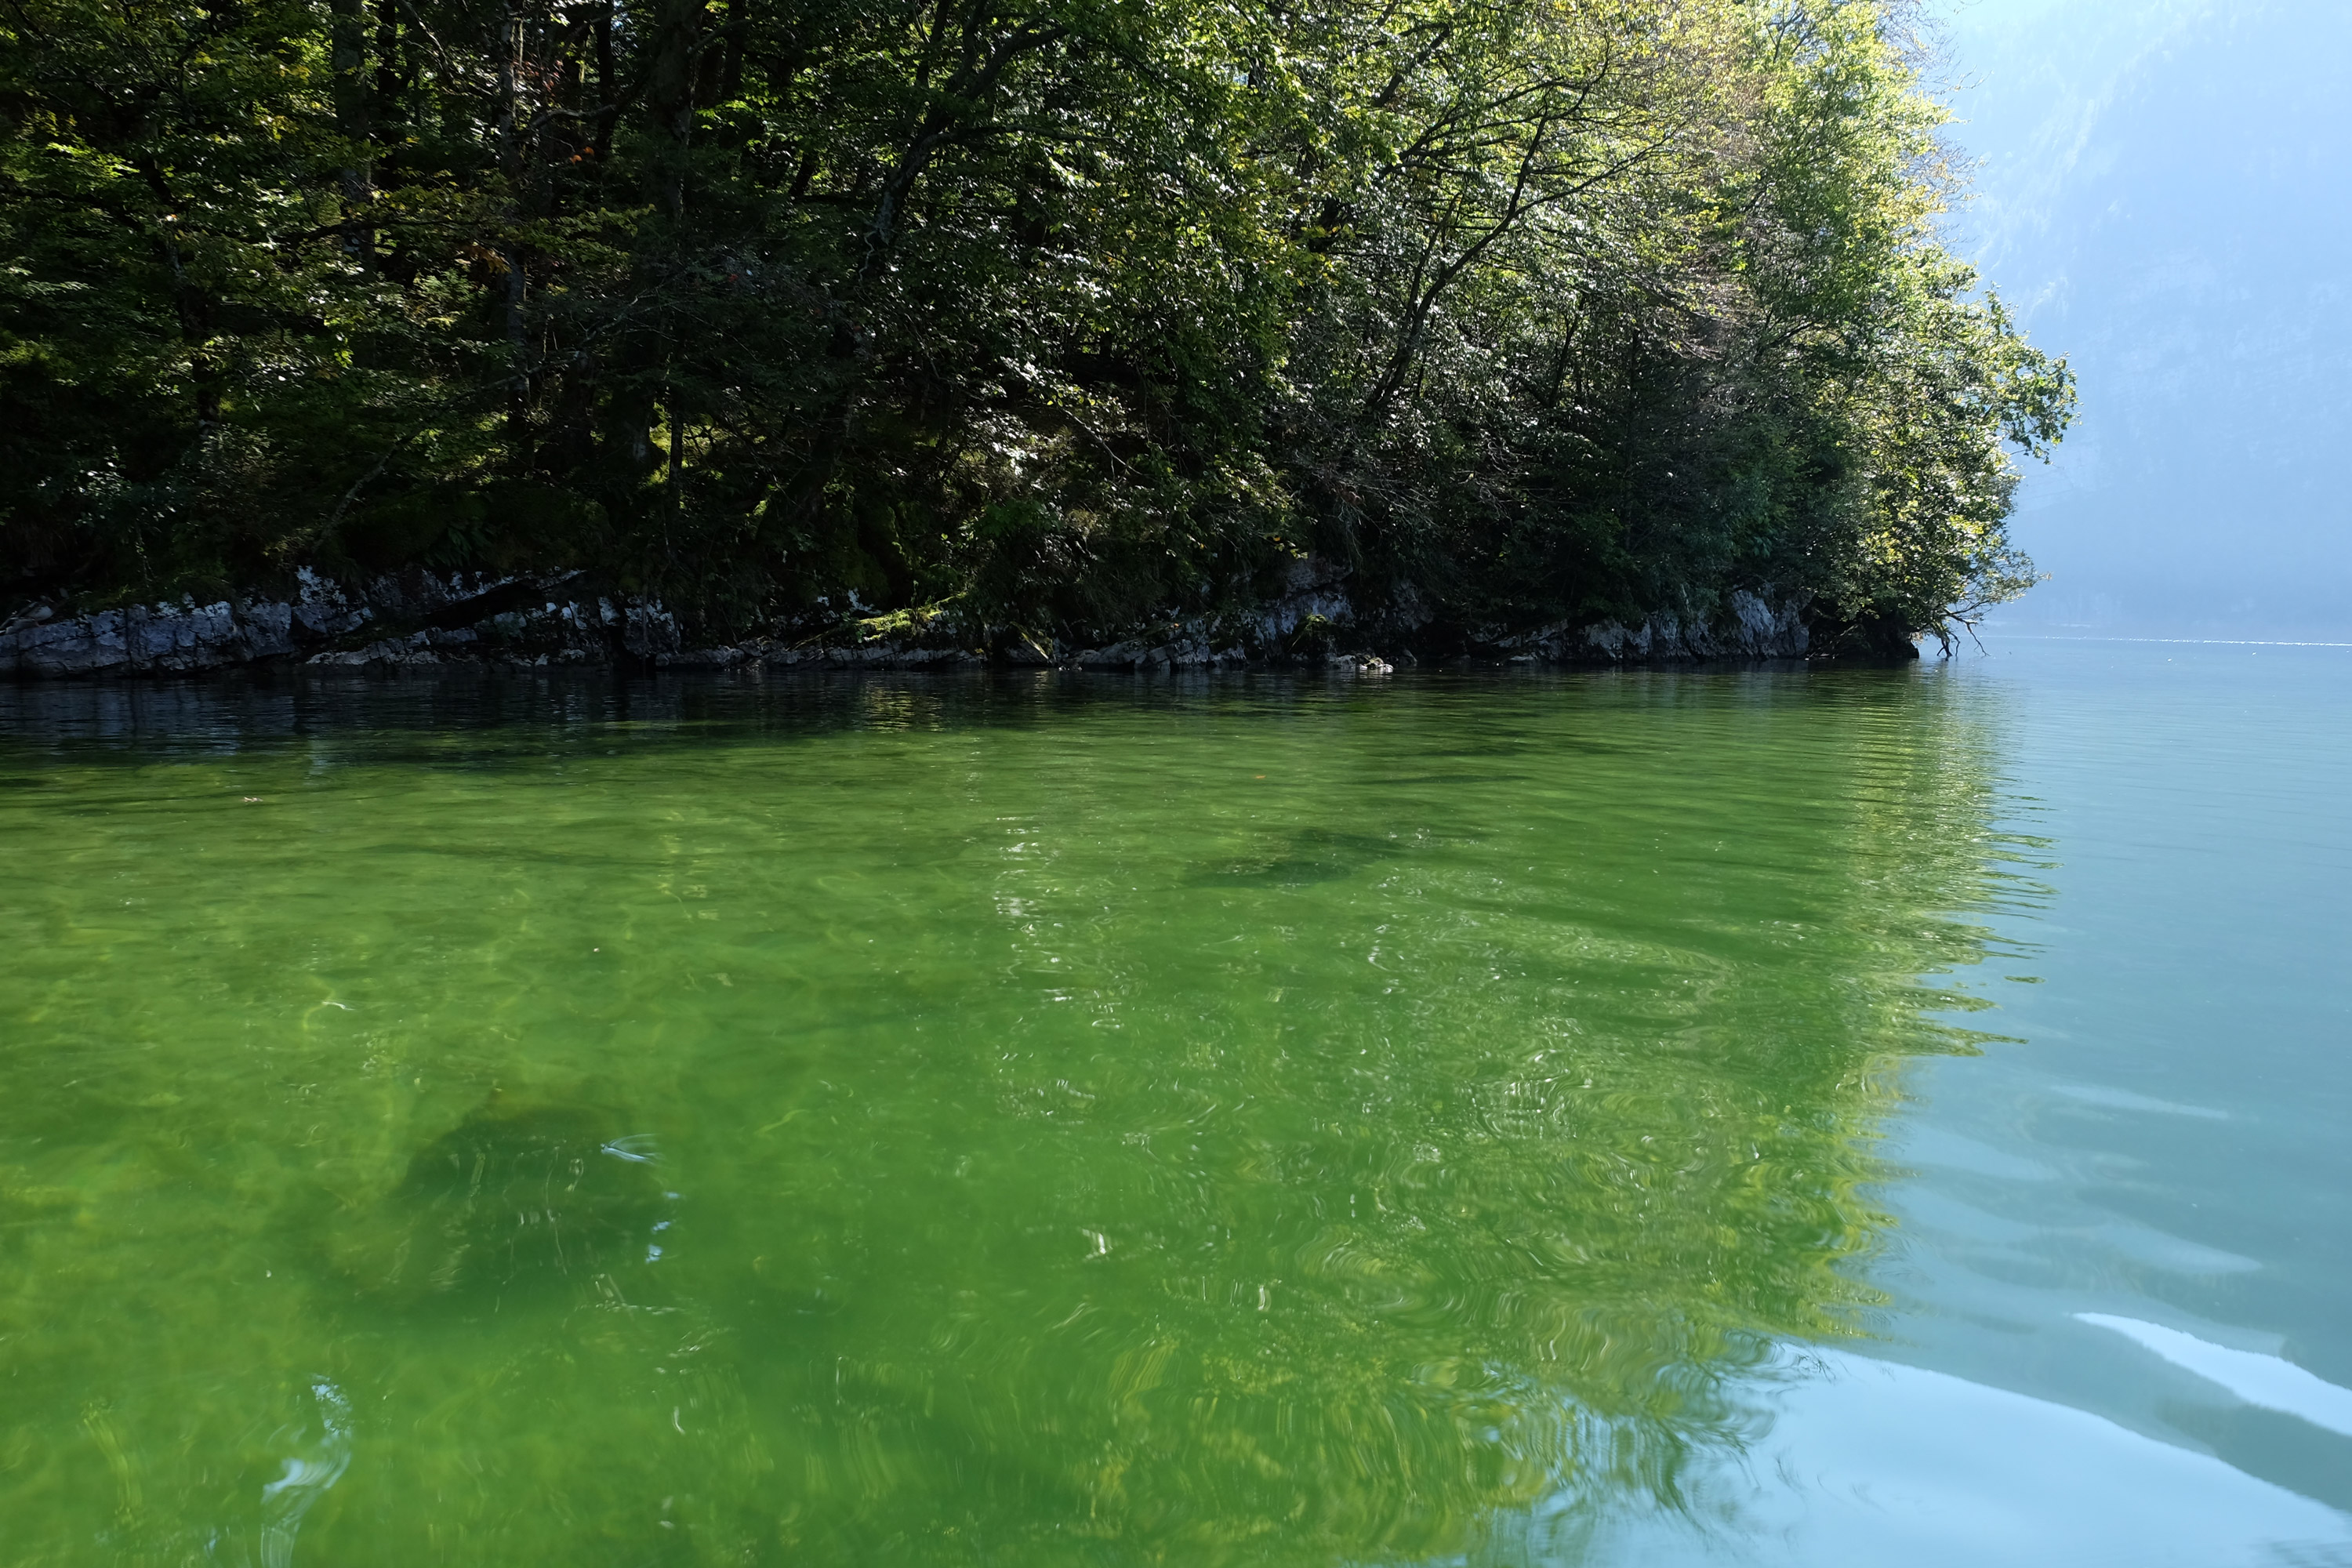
[
  {"x": 414, "y": 618},
  {"x": 418, "y": 619}
]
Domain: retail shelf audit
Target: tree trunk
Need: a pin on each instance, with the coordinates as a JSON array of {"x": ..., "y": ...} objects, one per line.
[
  {"x": 348, "y": 28},
  {"x": 513, "y": 159},
  {"x": 670, "y": 96}
]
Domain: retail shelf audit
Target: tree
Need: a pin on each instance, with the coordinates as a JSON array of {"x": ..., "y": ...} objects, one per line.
[{"x": 1059, "y": 313}]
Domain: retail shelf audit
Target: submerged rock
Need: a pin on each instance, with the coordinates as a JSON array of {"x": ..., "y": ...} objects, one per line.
[
  {"x": 540, "y": 1202},
  {"x": 1299, "y": 859}
]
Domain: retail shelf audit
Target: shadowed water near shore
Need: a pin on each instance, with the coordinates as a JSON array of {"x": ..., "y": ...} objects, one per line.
[{"x": 1028, "y": 1121}]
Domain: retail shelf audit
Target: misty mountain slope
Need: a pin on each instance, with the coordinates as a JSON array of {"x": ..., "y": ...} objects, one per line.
[{"x": 2163, "y": 196}]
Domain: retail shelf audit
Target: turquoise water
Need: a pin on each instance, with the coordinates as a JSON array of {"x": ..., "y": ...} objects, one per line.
[{"x": 1650, "y": 1117}]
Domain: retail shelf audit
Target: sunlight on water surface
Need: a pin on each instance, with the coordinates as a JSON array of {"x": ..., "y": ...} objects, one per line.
[{"x": 1058, "y": 1121}]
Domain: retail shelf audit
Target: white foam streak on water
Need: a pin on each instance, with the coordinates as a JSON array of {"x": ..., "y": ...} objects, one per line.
[
  {"x": 2125, "y": 1100},
  {"x": 1874, "y": 1462},
  {"x": 285, "y": 1500},
  {"x": 2269, "y": 1381}
]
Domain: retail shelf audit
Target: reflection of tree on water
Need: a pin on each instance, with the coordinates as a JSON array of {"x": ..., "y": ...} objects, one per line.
[
  {"x": 1089, "y": 1152},
  {"x": 1444, "y": 1189}
]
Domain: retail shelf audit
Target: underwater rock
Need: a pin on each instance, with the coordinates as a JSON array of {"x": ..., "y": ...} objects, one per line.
[
  {"x": 1299, "y": 859},
  {"x": 545, "y": 1202}
]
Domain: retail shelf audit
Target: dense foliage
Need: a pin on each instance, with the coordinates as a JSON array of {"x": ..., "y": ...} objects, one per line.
[{"x": 1049, "y": 313}]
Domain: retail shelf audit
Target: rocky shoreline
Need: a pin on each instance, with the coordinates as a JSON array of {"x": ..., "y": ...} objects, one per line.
[{"x": 419, "y": 620}]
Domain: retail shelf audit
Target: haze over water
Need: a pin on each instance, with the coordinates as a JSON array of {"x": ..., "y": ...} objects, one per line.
[
  {"x": 1746, "y": 1116},
  {"x": 2161, "y": 199}
]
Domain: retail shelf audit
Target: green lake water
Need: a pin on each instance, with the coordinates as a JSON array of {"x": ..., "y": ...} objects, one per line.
[{"x": 1746, "y": 1116}]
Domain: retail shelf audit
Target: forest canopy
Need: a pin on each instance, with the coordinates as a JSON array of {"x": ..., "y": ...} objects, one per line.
[{"x": 1053, "y": 312}]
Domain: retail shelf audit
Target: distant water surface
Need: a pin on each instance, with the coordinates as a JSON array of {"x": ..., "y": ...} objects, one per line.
[{"x": 1746, "y": 1116}]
